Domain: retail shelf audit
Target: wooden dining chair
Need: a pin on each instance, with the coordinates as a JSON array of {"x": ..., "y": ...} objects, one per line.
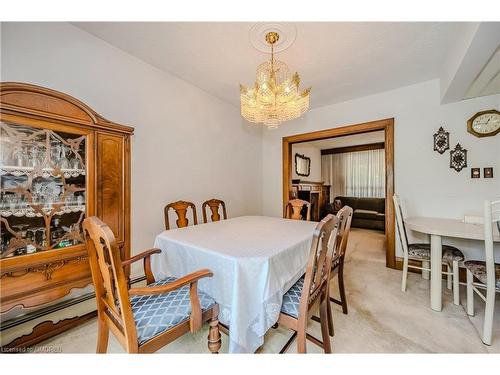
[
  {"x": 344, "y": 216},
  {"x": 421, "y": 252},
  {"x": 311, "y": 290},
  {"x": 147, "y": 318},
  {"x": 487, "y": 272},
  {"x": 180, "y": 208},
  {"x": 294, "y": 210},
  {"x": 214, "y": 205}
]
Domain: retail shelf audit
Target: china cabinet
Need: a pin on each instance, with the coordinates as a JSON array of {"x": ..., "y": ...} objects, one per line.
[{"x": 59, "y": 162}]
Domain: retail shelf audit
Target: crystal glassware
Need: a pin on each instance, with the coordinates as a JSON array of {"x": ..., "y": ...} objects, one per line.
[
  {"x": 64, "y": 162},
  {"x": 35, "y": 157}
]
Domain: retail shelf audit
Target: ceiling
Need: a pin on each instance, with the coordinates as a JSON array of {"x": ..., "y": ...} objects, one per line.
[
  {"x": 347, "y": 140},
  {"x": 488, "y": 80},
  {"x": 340, "y": 60}
]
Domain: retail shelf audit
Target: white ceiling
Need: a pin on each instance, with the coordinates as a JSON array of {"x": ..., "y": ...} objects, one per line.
[
  {"x": 340, "y": 60},
  {"x": 488, "y": 80},
  {"x": 346, "y": 141}
]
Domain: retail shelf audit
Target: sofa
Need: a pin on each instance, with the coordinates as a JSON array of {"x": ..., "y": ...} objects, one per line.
[{"x": 368, "y": 213}]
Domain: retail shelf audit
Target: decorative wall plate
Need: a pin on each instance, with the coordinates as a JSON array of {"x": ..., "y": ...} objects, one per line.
[
  {"x": 441, "y": 140},
  {"x": 458, "y": 158},
  {"x": 488, "y": 172}
]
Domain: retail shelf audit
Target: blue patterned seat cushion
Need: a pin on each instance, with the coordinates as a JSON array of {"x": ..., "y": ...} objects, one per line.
[
  {"x": 478, "y": 269},
  {"x": 154, "y": 314},
  {"x": 291, "y": 299},
  {"x": 422, "y": 251}
]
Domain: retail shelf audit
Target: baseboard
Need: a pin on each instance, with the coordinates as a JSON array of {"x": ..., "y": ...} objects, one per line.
[
  {"x": 47, "y": 329},
  {"x": 44, "y": 331}
]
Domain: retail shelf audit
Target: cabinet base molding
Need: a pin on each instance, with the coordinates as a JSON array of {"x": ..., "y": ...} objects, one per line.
[
  {"x": 74, "y": 312},
  {"x": 44, "y": 331}
]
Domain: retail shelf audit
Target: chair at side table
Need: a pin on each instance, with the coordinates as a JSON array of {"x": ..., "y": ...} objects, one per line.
[
  {"x": 487, "y": 272},
  {"x": 422, "y": 252}
]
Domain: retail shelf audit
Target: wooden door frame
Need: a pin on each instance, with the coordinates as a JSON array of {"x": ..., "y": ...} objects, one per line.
[{"x": 387, "y": 125}]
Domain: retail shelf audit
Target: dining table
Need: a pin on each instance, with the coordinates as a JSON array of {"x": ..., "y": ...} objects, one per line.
[
  {"x": 438, "y": 228},
  {"x": 254, "y": 260}
]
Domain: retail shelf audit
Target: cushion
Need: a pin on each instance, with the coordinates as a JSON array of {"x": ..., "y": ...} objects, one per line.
[
  {"x": 422, "y": 251},
  {"x": 365, "y": 214},
  {"x": 154, "y": 314},
  {"x": 371, "y": 204},
  {"x": 478, "y": 269},
  {"x": 291, "y": 299}
]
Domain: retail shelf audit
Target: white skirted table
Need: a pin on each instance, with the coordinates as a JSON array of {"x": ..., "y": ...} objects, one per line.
[
  {"x": 438, "y": 228},
  {"x": 254, "y": 259}
]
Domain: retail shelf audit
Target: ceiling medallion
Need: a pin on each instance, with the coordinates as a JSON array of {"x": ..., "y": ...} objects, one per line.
[
  {"x": 287, "y": 33},
  {"x": 275, "y": 96}
]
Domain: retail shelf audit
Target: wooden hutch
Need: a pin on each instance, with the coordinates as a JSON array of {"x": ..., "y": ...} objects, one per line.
[
  {"x": 316, "y": 193},
  {"x": 59, "y": 162}
]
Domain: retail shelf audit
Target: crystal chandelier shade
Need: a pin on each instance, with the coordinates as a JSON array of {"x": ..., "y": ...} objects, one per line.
[{"x": 275, "y": 96}]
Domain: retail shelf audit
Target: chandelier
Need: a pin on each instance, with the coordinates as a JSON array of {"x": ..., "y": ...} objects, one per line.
[{"x": 275, "y": 97}]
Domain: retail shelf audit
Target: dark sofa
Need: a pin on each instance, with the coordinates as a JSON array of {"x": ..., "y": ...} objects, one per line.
[{"x": 368, "y": 212}]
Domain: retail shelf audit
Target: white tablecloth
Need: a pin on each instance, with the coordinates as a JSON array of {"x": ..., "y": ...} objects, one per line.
[{"x": 255, "y": 260}]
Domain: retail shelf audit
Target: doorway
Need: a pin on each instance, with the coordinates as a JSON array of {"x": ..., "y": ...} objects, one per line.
[{"x": 387, "y": 126}]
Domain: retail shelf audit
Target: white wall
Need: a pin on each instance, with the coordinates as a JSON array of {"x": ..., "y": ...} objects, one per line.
[
  {"x": 423, "y": 178},
  {"x": 191, "y": 145},
  {"x": 311, "y": 152},
  {"x": 187, "y": 144}
]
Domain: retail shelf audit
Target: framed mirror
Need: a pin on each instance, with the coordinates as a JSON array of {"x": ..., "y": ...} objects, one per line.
[{"x": 302, "y": 165}]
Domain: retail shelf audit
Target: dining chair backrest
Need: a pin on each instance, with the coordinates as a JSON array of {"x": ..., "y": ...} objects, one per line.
[
  {"x": 317, "y": 276},
  {"x": 491, "y": 217},
  {"x": 345, "y": 217},
  {"x": 180, "y": 208},
  {"x": 110, "y": 282},
  {"x": 400, "y": 224},
  {"x": 294, "y": 209},
  {"x": 214, "y": 205}
]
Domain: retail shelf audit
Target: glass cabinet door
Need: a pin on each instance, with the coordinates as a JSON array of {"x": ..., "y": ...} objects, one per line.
[{"x": 43, "y": 189}]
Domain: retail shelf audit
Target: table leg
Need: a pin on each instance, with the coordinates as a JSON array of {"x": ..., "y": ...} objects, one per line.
[
  {"x": 436, "y": 282},
  {"x": 426, "y": 274}
]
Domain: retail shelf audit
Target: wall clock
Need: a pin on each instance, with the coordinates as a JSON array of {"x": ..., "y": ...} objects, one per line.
[{"x": 484, "y": 124}]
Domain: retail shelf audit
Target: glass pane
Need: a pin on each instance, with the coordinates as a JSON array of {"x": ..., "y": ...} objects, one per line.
[{"x": 43, "y": 186}]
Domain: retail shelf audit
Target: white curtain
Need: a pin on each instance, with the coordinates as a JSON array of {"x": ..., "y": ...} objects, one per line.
[{"x": 355, "y": 174}]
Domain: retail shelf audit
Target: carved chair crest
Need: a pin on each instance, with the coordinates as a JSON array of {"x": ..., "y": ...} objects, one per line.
[
  {"x": 214, "y": 205},
  {"x": 180, "y": 208}
]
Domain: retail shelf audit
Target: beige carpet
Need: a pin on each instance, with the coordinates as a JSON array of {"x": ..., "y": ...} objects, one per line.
[{"x": 381, "y": 318}]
